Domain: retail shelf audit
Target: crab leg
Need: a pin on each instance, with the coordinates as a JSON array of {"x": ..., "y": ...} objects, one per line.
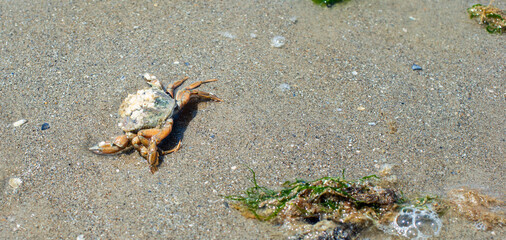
[
  {"x": 184, "y": 96},
  {"x": 174, "y": 85},
  {"x": 193, "y": 86},
  {"x": 142, "y": 141},
  {"x": 159, "y": 135},
  {"x": 106, "y": 147}
]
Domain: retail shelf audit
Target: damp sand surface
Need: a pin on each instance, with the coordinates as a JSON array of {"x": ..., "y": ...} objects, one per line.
[{"x": 339, "y": 93}]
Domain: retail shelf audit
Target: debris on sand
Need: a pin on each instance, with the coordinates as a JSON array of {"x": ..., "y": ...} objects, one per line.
[{"x": 480, "y": 208}]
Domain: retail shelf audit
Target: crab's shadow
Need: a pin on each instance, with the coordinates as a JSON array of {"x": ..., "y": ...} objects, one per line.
[{"x": 181, "y": 122}]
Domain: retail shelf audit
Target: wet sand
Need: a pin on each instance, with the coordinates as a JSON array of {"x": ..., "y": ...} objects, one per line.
[{"x": 340, "y": 94}]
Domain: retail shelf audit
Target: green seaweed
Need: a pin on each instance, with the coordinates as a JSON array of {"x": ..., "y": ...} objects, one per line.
[
  {"x": 313, "y": 198},
  {"x": 328, "y": 3},
  {"x": 492, "y": 17}
]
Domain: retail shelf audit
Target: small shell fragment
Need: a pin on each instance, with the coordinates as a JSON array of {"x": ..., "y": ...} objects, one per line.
[
  {"x": 360, "y": 108},
  {"x": 45, "y": 126},
  {"x": 15, "y": 182},
  {"x": 278, "y": 41},
  {"x": 416, "y": 67},
  {"x": 19, "y": 122},
  {"x": 149, "y": 76}
]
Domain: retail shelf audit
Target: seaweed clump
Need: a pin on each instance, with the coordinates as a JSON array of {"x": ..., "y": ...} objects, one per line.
[
  {"x": 327, "y": 3},
  {"x": 331, "y": 206},
  {"x": 487, "y": 212},
  {"x": 494, "y": 18}
]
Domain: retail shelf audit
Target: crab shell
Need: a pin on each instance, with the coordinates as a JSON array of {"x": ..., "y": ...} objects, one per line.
[{"x": 148, "y": 108}]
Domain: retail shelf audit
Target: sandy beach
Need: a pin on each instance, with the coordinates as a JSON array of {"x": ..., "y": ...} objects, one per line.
[{"x": 340, "y": 93}]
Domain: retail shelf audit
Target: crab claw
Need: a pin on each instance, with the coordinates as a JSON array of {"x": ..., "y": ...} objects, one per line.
[
  {"x": 151, "y": 80},
  {"x": 105, "y": 148},
  {"x": 118, "y": 145}
]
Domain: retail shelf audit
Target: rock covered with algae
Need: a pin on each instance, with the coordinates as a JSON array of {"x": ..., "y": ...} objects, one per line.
[{"x": 330, "y": 207}]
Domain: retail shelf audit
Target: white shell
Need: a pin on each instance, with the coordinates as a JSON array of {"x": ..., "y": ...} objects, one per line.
[{"x": 19, "y": 122}]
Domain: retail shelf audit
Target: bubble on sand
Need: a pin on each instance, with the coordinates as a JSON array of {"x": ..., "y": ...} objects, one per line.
[{"x": 278, "y": 41}]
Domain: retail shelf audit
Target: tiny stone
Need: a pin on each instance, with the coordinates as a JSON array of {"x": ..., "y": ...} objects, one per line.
[
  {"x": 354, "y": 73},
  {"x": 45, "y": 126},
  {"x": 372, "y": 124},
  {"x": 416, "y": 67},
  {"x": 80, "y": 237},
  {"x": 19, "y": 122},
  {"x": 252, "y": 35},
  {"x": 278, "y": 41},
  {"x": 293, "y": 19},
  {"x": 360, "y": 108},
  {"x": 15, "y": 182}
]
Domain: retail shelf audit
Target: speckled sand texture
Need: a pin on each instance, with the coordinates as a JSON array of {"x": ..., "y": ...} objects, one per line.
[{"x": 339, "y": 94}]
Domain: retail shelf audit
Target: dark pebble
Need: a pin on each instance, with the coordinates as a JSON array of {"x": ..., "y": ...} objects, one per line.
[
  {"x": 416, "y": 67},
  {"x": 45, "y": 126}
]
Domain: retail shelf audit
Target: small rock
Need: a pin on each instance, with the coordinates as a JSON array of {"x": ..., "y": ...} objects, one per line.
[
  {"x": 293, "y": 19},
  {"x": 354, "y": 73},
  {"x": 252, "y": 35},
  {"x": 372, "y": 124},
  {"x": 360, "y": 108},
  {"x": 416, "y": 67},
  {"x": 80, "y": 237},
  {"x": 45, "y": 126},
  {"x": 19, "y": 122},
  {"x": 278, "y": 41},
  {"x": 15, "y": 182}
]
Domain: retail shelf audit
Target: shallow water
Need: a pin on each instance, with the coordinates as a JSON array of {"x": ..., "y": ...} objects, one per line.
[{"x": 339, "y": 94}]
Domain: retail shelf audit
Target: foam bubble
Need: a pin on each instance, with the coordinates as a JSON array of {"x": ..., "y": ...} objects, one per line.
[{"x": 417, "y": 223}]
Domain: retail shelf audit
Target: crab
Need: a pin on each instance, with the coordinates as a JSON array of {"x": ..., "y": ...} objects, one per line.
[{"x": 147, "y": 118}]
